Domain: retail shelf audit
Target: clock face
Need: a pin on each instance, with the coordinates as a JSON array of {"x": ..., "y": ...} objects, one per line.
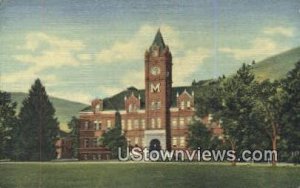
[{"x": 155, "y": 70}]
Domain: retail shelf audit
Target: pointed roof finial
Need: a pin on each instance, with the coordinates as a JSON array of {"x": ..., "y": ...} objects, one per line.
[{"x": 158, "y": 40}]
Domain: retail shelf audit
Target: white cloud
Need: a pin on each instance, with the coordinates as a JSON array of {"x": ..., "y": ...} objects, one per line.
[
  {"x": 133, "y": 48},
  {"x": 40, "y": 52},
  {"x": 84, "y": 57},
  {"x": 44, "y": 51},
  {"x": 279, "y": 30},
  {"x": 134, "y": 78},
  {"x": 260, "y": 48},
  {"x": 110, "y": 90},
  {"x": 187, "y": 64},
  {"x": 22, "y": 80}
]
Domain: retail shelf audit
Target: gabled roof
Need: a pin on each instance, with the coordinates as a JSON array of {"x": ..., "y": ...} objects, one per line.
[{"x": 116, "y": 102}]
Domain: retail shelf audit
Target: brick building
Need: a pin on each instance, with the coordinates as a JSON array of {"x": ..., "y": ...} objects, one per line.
[{"x": 156, "y": 117}]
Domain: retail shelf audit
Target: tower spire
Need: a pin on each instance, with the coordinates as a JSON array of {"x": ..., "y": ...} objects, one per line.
[{"x": 158, "y": 40}]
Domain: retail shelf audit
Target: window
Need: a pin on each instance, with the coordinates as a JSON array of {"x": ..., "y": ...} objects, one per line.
[
  {"x": 123, "y": 124},
  {"x": 108, "y": 124},
  {"x": 182, "y": 141},
  {"x": 86, "y": 125},
  {"x": 129, "y": 124},
  {"x": 182, "y": 105},
  {"x": 95, "y": 142},
  {"x": 96, "y": 123},
  {"x": 174, "y": 141},
  {"x": 86, "y": 143},
  {"x": 152, "y": 123},
  {"x": 158, "y": 123},
  {"x": 97, "y": 108},
  {"x": 143, "y": 124},
  {"x": 174, "y": 122},
  {"x": 99, "y": 156},
  {"x": 136, "y": 140},
  {"x": 181, "y": 122},
  {"x": 85, "y": 157},
  {"x": 189, "y": 120},
  {"x": 130, "y": 108},
  {"x": 188, "y": 104},
  {"x": 152, "y": 105},
  {"x": 136, "y": 123},
  {"x": 158, "y": 105}
]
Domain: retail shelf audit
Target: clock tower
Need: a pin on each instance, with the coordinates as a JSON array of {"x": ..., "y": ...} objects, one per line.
[{"x": 158, "y": 87}]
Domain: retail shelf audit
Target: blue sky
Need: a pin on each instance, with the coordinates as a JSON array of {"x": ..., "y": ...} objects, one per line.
[{"x": 94, "y": 48}]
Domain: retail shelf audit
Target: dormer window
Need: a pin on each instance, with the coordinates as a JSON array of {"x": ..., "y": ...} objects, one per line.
[
  {"x": 182, "y": 105},
  {"x": 130, "y": 108},
  {"x": 97, "y": 108},
  {"x": 188, "y": 104}
]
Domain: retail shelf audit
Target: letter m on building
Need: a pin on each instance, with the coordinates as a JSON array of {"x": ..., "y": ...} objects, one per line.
[{"x": 155, "y": 88}]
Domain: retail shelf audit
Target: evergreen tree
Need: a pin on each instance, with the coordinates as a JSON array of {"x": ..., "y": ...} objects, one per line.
[
  {"x": 8, "y": 122},
  {"x": 74, "y": 127},
  {"x": 238, "y": 95},
  {"x": 232, "y": 101},
  {"x": 38, "y": 127},
  {"x": 291, "y": 116},
  {"x": 113, "y": 139}
]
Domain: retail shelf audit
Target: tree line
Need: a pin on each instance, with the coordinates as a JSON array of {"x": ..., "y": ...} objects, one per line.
[
  {"x": 31, "y": 134},
  {"x": 254, "y": 115}
]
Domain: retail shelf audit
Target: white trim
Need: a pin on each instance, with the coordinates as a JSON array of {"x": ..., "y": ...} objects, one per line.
[
  {"x": 174, "y": 109},
  {"x": 108, "y": 112},
  {"x": 86, "y": 112}
]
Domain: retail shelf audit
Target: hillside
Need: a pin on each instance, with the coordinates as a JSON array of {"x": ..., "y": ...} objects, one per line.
[
  {"x": 277, "y": 66},
  {"x": 64, "y": 109}
]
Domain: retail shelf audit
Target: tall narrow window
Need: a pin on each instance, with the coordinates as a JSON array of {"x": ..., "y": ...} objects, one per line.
[
  {"x": 174, "y": 122},
  {"x": 136, "y": 140},
  {"x": 94, "y": 142},
  {"x": 152, "y": 123},
  {"x": 181, "y": 122},
  {"x": 123, "y": 124},
  {"x": 158, "y": 123},
  {"x": 108, "y": 124},
  {"x": 130, "y": 108},
  {"x": 188, "y": 104},
  {"x": 182, "y": 105},
  {"x": 152, "y": 105},
  {"x": 182, "y": 141},
  {"x": 143, "y": 124},
  {"x": 86, "y": 143},
  {"x": 158, "y": 105},
  {"x": 96, "y": 125},
  {"x": 174, "y": 141},
  {"x": 86, "y": 125},
  {"x": 129, "y": 124},
  {"x": 136, "y": 123}
]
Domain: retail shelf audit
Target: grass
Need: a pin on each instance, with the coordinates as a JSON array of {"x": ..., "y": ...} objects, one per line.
[{"x": 85, "y": 175}]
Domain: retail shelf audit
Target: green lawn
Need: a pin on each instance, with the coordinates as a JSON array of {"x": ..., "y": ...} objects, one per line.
[{"x": 83, "y": 175}]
